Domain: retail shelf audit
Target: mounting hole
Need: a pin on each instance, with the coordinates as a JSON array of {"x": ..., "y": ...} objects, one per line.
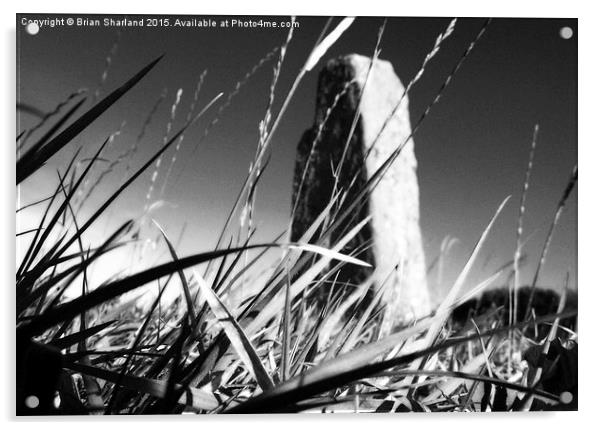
[
  {"x": 566, "y": 33},
  {"x": 566, "y": 397},
  {"x": 32, "y": 402},
  {"x": 32, "y": 28}
]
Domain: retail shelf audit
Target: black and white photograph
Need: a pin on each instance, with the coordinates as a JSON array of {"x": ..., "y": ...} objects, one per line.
[{"x": 295, "y": 214}]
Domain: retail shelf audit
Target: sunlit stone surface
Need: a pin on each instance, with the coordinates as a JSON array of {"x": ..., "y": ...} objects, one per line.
[{"x": 393, "y": 232}]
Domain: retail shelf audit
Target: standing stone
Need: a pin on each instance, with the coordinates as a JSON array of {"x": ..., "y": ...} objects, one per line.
[{"x": 393, "y": 232}]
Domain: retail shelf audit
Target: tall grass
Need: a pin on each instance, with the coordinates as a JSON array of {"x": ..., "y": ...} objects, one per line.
[{"x": 275, "y": 349}]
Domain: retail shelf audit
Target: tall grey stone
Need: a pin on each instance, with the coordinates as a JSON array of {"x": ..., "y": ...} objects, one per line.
[{"x": 393, "y": 233}]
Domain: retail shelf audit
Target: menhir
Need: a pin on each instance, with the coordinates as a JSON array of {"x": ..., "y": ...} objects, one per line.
[{"x": 371, "y": 160}]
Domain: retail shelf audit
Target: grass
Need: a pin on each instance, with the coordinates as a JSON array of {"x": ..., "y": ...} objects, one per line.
[{"x": 278, "y": 349}]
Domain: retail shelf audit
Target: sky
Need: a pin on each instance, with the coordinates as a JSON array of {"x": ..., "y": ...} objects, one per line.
[{"x": 472, "y": 149}]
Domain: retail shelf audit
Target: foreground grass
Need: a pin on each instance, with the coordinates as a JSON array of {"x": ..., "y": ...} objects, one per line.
[{"x": 278, "y": 350}]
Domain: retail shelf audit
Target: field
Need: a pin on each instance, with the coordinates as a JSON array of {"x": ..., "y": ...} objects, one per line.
[{"x": 237, "y": 326}]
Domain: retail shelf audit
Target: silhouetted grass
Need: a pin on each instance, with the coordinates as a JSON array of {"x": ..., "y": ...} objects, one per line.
[{"x": 275, "y": 349}]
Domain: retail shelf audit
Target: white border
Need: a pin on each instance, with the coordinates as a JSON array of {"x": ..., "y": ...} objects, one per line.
[{"x": 590, "y": 156}]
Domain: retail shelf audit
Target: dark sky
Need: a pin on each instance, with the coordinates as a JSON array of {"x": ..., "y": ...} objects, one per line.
[{"x": 472, "y": 150}]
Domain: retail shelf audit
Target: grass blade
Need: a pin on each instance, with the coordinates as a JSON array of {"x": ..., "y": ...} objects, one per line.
[
  {"x": 316, "y": 381},
  {"x": 273, "y": 307},
  {"x": 186, "y": 288},
  {"x": 114, "y": 289},
  {"x": 237, "y": 336},
  {"x": 565, "y": 195},
  {"x": 194, "y": 397},
  {"x": 72, "y": 339},
  {"x": 31, "y": 161}
]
